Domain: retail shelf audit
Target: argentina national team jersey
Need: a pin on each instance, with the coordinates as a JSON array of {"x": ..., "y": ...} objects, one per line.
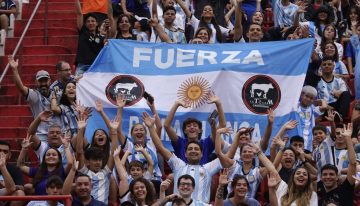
[
  {"x": 150, "y": 148},
  {"x": 306, "y": 118},
  {"x": 325, "y": 89},
  {"x": 284, "y": 15},
  {"x": 201, "y": 173},
  {"x": 326, "y": 153},
  {"x": 254, "y": 177},
  {"x": 100, "y": 183}
]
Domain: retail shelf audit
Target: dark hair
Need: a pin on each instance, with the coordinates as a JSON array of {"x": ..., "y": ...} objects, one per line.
[
  {"x": 105, "y": 148},
  {"x": 64, "y": 100},
  {"x": 339, "y": 125},
  {"x": 59, "y": 64},
  {"x": 194, "y": 142},
  {"x": 322, "y": 9},
  {"x": 54, "y": 180},
  {"x": 131, "y": 22},
  {"x": 319, "y": 127},
  {"x": 323, "y": 40},
  {"x": 178, "y": 201},
  {"x": 322, "y": 47},
  {"x": 136, "y": 163},
  {"x": 82, "y": 175},
  {"x": 189, "y": 121},
  {"x": 209, "y": 31},
  {"x": 88, "y": 15},
  {"x": 236, "y": 179},
  {"x": 329, "y": 167},
  {"x": 186, "y": 177},
  {"x": 296, "y": 138},
  {"x": 356, "y": 10},
  {"x": 202, "y": 23},
  {"x": 169, "y": 8},
  {"x": 43, "y": 168},
  {"x": 254, "y": 23},
  {"x": 149, "y": 199},
  {"x": 94, "y": 153},
  {"x": 289, "y": 148},
  {"x": 328, "y": 58},
  {"x": 2, "y": 142}
]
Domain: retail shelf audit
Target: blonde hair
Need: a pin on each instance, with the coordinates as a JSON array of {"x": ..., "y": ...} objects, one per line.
[{"x": 301, "y": 196}]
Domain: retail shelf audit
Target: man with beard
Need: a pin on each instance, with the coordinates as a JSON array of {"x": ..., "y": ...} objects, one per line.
[{"x": 39, "y": 99}]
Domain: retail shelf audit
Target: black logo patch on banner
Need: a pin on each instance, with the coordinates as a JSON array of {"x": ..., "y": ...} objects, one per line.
[
  {"x": 129, "y": 86},
  {"x": 261, "y": 93}
]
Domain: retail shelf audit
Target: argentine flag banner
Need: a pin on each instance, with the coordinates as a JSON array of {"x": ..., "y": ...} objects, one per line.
[{"x": 249, "y": 78}]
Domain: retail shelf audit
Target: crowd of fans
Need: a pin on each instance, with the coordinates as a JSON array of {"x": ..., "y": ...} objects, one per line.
[{"x": 318, "y": 166}]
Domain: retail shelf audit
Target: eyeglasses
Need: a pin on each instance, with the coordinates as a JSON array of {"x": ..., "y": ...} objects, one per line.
[{"x": 182, "y": 184}]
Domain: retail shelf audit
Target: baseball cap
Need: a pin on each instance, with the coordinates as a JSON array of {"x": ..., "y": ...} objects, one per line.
[{"x": 41, "y": 74}]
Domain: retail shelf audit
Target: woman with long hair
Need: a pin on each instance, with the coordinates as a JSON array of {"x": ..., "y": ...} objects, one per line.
[
  {"x": 51, "y": 165},
  {"x": 203, "y": 33},
  {"x": 330, "y": 49},
  {"x": 297, "y": 192},
  {"x": 67, "y": 107},
  {"x": 329, "y": 35},
  {"x": 207, "y": 20},
  {"x": 124, "y": 28},
  {"x": 240, "y": 186}
]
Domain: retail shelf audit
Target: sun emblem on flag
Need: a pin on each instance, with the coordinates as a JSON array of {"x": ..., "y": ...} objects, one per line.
[{"x": 194, "y": 91}]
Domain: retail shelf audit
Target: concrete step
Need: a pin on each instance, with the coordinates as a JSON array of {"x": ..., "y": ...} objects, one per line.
[
  {"x": 51, "y": 59},
  {"x": 37, "y": 23},
  {"x": 26, "y": 78},
  {"x": 13, "y": 132},
  {"x": 64, "y": 14}
]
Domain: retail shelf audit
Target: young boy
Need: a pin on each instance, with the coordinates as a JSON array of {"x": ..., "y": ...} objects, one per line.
[
  {"x": 306, "y": 114},
  {"x": 53, "y": 187}
]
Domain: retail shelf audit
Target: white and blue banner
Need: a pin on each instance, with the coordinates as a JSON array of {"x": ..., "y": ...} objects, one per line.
[{"x": 249, "y": 78}]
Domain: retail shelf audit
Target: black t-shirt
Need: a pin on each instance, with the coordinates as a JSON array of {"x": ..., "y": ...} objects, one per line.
[
  {"x": 285, "y": 174},
  {"x": 342, "y": 195},
  {"x": 89, "y": 46},
  {"x": 15, "y": 173}
]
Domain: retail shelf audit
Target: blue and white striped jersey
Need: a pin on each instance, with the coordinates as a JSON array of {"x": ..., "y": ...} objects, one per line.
[{"x": 201, "y": 173}]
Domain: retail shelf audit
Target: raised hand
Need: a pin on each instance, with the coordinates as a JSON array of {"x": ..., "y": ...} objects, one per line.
[
  {"x": 213, "y": 98},
  {"x": 79, "y": 107},
  {"x": 117, "y": 152},
  {"x": 115, "y": 123},
  {"x": 271, "y": 115},
  {"x": 13, "y": 63},
  {"x": 225, "y": 130},
  {"x": 255, "y": 147},
  {"x": 165, "y": 184},
  {"x": 65, "y": 139},
  {"x": 45, "y": 116},
  {"x": 182, "y": 103},
  {"x": 290, "y": 124},
  {"x": 279, "y": 142},
  {"x": 301, "y": 8},
  {"x": 120, "y": 101},
  {"x": 347, "y": 131},
  {"x": 223, "y": 177},
  {"x": 99, "y": 106},
  {"x": 26, "y": 142},
  {"x": 81, "y": 121},
  {"x": 149, "y": 122},
  {"x": 330, "y": 115},
  {"x": 139, "y": 148},
  {"x": 2, "y": 160},
  {"x": 273, "y": 179},
  {"x": 75, "y": 165},
  {"x": 244, "y": 131}
]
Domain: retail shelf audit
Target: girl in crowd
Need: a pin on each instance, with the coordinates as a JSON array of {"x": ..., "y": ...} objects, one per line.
[
  {"x": 329, "y": 35},
  {"x": 204, "y": 34},
  {"x": 207, "y": 20},
  {"x": 124, "y": 28},
  {"x": 245, "y": 166},
  {"x": 240, "y": 186},
  {"x": 330, "y": 49},
  {"x": 51, "y": 165},
  {"x": 67, "y": 107},
  {"x": 297, "y": 192}
]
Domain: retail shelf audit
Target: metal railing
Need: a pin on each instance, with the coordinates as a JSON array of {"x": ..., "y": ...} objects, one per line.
[
  {"x": 22, "y": 38},
  {"x": 67, "y": 198}
]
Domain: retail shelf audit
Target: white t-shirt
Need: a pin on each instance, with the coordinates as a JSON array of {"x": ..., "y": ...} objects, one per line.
[{"x": 282, "y": 190}]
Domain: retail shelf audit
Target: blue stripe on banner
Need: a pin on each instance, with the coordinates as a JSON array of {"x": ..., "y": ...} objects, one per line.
[
  {"x": 141, "y": 58},
  {"x": 133, "y": 116}
]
